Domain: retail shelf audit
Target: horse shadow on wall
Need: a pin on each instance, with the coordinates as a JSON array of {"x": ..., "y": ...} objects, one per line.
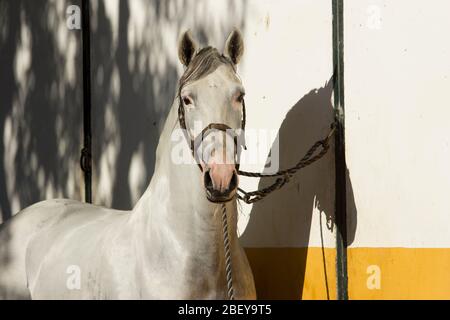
[{"x": 284, "y": 217}]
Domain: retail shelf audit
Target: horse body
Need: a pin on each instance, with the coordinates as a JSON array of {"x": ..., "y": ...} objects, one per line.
[{"x": 170, "y": 246}]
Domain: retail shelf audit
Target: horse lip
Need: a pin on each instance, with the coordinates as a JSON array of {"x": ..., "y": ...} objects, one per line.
[{"x": 216, "y": 198}]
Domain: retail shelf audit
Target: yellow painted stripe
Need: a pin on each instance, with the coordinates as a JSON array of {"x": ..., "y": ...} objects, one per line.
[
  {"x": 374, "y": 273},
  {"x": 405, "y": 273}
]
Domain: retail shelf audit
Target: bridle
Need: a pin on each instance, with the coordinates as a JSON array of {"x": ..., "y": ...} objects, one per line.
[{"x": 196, "y": 141}]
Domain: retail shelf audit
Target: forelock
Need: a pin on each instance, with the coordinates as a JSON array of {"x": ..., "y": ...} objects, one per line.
[{"x": 205, "y": 62}]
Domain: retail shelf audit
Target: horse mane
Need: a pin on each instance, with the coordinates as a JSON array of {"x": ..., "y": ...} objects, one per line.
[{"x": 206, "y": 61}]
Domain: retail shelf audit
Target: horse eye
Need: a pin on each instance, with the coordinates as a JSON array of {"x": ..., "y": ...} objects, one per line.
[
  {"x": 187, "y": 101},
  {"x": 240, "y": 98}
]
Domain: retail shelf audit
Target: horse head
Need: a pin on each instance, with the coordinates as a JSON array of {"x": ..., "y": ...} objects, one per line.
[{"x": 212, "y": 112}]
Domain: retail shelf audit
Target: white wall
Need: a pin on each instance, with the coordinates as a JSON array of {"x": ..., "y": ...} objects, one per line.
[{"x": 397, "y": 80}]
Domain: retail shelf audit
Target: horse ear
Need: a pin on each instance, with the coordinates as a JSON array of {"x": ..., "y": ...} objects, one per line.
[
  {"x": 187, "y": 48},
  {"x": 234, "y": 46}
]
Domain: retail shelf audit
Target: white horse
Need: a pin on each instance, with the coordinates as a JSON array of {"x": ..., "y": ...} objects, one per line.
[{"x": 170, "y": 246}]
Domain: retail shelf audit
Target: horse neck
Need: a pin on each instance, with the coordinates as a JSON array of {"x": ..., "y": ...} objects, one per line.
[{"x": 174, "y": 204}]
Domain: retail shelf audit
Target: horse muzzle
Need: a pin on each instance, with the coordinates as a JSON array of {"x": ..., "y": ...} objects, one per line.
[{"x": 220, "y": 186}]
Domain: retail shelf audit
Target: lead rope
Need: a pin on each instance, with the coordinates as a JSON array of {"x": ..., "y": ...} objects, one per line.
[
  {"x": 226, "y": 245},
  {"x": 285, "y": 175},
  {"x": 254, "y": 196}
]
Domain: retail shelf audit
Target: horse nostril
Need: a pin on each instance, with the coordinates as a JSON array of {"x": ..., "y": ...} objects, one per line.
[
  {"x": 233, "y": 182},
  {"x": 207, "y": 180}
]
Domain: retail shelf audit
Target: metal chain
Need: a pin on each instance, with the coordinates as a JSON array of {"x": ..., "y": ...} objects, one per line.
[
  {"x": 285, "y": 175},
  {"x": 226, "y": 245}
]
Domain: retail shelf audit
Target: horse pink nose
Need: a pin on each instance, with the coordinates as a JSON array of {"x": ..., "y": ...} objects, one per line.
[
  {"x": 221, "y": 176},
  {"x": 220, "y": 182}
]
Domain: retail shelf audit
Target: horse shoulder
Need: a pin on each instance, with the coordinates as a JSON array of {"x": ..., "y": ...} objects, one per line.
[{"x": 70, "y": 238}]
